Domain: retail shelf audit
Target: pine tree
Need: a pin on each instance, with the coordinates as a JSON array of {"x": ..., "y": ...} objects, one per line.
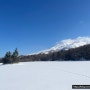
[
  {"x": 11, "y": 58},
  {"x": 7, "y": 58},
  {"x": 15, "y": 55}
]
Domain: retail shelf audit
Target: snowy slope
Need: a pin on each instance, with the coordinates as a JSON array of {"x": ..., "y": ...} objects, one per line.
[
  {"x": 67, "y": 44},
  {"x": 44, "y": 75}
]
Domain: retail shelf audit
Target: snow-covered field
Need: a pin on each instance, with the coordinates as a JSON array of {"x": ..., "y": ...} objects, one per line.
[{"x": 44, "y": 75}]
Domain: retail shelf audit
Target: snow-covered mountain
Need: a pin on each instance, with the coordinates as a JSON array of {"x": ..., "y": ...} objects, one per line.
[{"x": 67, "y": 44}]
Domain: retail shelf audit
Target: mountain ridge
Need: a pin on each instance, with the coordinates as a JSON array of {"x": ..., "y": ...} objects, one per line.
[{"x": 67, "y": 44}]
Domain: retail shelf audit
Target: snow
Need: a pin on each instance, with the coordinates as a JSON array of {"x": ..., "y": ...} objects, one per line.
[
  {"x": 67, "y": 44},
  {"x": 44, "y": 75}
]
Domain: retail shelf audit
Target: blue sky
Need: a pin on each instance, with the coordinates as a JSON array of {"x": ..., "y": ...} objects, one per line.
[{"x": 33, "y": 25}]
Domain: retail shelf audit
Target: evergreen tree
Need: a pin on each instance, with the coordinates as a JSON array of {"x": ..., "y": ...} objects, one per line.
[
  {"x": 7, "y": 58},
  {"x": 15, "y": 55},
  {"x": 11, "y": 58}
]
